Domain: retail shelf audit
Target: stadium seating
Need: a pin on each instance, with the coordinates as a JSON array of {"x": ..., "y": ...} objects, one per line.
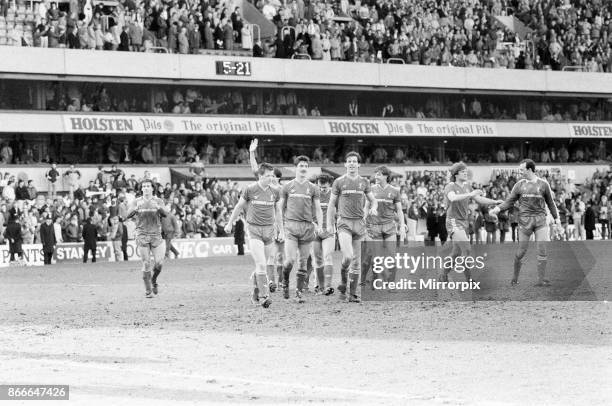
[{"x": 572, "y": 34}]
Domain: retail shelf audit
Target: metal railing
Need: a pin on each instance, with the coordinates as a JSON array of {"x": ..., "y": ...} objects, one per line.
[
  {"x": 287, "y": 28},
  {"x": 573, "y": 68},
  {"x": 159, "y": 50},
  {"x": 253, "y": 26},
  {"x": 300, "y": 56},
  {"x": 399, "y": 61}
]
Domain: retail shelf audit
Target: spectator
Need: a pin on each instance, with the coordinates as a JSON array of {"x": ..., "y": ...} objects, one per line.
[
  {"x": 47, "y": 239},
  {"x": 90, "y": 238},
  {"x": 147, "y": 154},
  {"x": 589, "y": 220},
  {"x": 115, "y": 235},
  {"x": 21, "y": 192},
  {"x": 239, "y": 235},
  {"x": 52, "y": 175},
  {"x": 170, "y": 230},
  {"x": 12, "y": 233},
  {"x": 57, "y": 230}
]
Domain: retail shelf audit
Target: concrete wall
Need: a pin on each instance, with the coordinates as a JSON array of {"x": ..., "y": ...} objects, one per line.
[{"x": 123, "y": 65}]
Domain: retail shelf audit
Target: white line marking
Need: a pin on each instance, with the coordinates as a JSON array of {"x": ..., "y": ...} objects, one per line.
[{"x": 219, "y": 378}]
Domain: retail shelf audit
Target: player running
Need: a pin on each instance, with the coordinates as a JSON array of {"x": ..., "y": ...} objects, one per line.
[
  {"x": 323, "y": 245},
  {"x": 299, "y": 202},
  {"x": 148, "y": 211},
  {"x": 533, "y": 195},
  {"x": 277, "y": 255},
  {"x": 382, "y": 227},
  {"x": 457, "y": 196},
  {"x": 263, "y": 222},
  {"x": 349, "y": 191}
]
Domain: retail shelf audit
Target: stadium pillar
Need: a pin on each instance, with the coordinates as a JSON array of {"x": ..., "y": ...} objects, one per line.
[
  {"x": 156, "y": 150},
  {"x": 441, "y": 151}
]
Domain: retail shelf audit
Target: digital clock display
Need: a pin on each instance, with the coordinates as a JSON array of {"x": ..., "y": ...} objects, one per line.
[{"x": 233, "y": 68}]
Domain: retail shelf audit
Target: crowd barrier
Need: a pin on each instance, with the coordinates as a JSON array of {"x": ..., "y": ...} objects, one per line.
[{"x": 67, "y": 253}]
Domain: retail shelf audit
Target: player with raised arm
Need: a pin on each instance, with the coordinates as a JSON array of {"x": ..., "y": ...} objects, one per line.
[
  {"x": 349, "y": 192},
  {"x": 533, "y": 195},
  {"x": 457, "y": 196},
  {"x": 147, "y": 211},
  {"x": 299, "y": 203},
  {"x": 382, "y": 227},
  {"x": 277, "y": 255},
  {"x": 260, "y": 199},
  {"x": 323, "y": 245}
]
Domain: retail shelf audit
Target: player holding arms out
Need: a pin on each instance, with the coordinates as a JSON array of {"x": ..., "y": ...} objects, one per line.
[
  {"x": 324, "y": 243},
  {"x": 349, "y": 191},
  {"x": 148, "y": 211},
  {"x": 299, "y": 202},
  {"x": 457, "y": 196},
  {"x": 382, "y": 227},
  {"x": 533, "y": 195},
  {"x": 263, "y": 222}
]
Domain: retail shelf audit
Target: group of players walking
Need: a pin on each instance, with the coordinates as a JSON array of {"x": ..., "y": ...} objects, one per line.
[{"x": 289, "y": 223}]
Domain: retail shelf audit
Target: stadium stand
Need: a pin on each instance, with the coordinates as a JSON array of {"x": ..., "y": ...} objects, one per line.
[
  {"x": 572, "y": 35},
  {"x": 123, "y": 98}
]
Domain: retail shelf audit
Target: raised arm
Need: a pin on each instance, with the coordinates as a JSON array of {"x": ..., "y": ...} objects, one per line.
[{"x": 252, "y": 159}]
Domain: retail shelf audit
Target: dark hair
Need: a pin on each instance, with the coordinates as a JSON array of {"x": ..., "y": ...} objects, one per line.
[
  {"x": 383, "y": 170},
  {"x": 278, "y": 173},
  {"x": 264, "y": 167},
  {"x": 146, "y": 180},
  {"x": 301, "y": 158},
  {"x": 325, "y": 178},
  {"x": 456, "y": 168},
  {"x": 529, "y": 164},
  {"x": 352, "y": 154}
]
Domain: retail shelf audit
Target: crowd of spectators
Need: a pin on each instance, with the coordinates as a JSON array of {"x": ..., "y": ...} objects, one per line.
[
  {"x": 423, "y": 153},
  {"x": 452, "y": 33},
  {"x": 557, "y": 34},
  {"x": 96, "y": 149},
  {"x": 74, "y": 97},
  {"x": 139, "y": 26}
]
